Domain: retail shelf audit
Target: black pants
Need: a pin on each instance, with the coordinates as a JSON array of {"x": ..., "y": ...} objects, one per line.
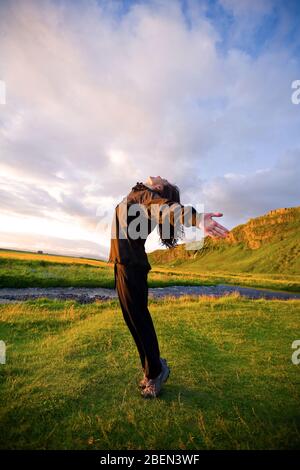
[{"x": 132, "y": 288}]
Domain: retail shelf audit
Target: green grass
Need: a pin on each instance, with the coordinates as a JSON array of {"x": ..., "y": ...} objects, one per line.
[
  {"x": 41, "y": 273},
  {"x": 278, "y": 257},
  {"x": 71, "y": 376},
  {"x": 33, "y": 270}
]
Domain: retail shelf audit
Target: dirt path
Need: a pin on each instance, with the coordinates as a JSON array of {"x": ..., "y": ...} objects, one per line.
[{"x": 87, "y": 295}]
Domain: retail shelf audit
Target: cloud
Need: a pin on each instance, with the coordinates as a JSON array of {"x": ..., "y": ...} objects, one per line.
[
  {"x": 98, "y": 99},
  {"x": 245, "y": 196},
  {"x": 248, "y": 7},
  {"x": 21, "y": 198},
  {"x": 52, "y": 245}
]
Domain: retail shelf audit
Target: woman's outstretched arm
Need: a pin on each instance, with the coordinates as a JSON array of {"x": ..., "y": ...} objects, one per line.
[{"x": 162, "y": 209}]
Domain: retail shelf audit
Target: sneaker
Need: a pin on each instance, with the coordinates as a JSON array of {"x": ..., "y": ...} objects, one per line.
[
  {"x": 153, "y": 386},
  {"x": 144, "y": 381}
]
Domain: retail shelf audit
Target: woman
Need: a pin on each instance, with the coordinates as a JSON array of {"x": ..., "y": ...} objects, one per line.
[{"x": 153, "y": 203}]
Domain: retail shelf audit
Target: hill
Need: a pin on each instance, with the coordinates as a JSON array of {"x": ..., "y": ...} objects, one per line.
[{"x": 265, "y": 244}]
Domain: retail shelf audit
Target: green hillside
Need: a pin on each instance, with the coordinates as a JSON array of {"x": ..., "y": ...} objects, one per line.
[{"x": 265, "y": 244}]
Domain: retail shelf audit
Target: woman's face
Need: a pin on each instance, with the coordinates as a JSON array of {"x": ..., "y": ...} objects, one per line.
[{"x": 156, "y": 182}]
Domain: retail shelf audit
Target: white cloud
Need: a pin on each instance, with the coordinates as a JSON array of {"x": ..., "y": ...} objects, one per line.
[
  {"x": 246, "y": 7},
  {"x": 95, "y": 103},
  {"x": 244, "y": 196},
  {"x": 48, "y": 244}
]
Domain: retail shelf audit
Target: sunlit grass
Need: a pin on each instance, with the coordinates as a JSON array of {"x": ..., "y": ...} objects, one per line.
[
  {"x": 71, "y": 376},
  {"x": 18, "y": 269},
  {"x": 31, "y": 256}
]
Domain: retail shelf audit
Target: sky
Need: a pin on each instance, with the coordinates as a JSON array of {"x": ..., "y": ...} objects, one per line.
[{"x": 101, "y": 94}]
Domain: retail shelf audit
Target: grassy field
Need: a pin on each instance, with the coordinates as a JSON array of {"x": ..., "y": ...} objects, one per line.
[
  {"x": 21, "y": 269},
  {"x": 70, "y": 381}
]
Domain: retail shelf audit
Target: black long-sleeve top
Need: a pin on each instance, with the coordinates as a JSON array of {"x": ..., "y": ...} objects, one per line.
[{"x": 152, "y": 209}]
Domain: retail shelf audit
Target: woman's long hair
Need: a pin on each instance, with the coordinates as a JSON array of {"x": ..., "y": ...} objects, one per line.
[{"x": 175, "y": 230}]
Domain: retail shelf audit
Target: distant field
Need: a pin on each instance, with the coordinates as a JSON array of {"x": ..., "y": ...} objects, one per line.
[
  {"x": 70, "y": 381},
  {"x": 20, "y": 269}
]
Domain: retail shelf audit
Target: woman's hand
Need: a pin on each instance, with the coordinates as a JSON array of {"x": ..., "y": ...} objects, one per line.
[{"x": 211, "y": 228}]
